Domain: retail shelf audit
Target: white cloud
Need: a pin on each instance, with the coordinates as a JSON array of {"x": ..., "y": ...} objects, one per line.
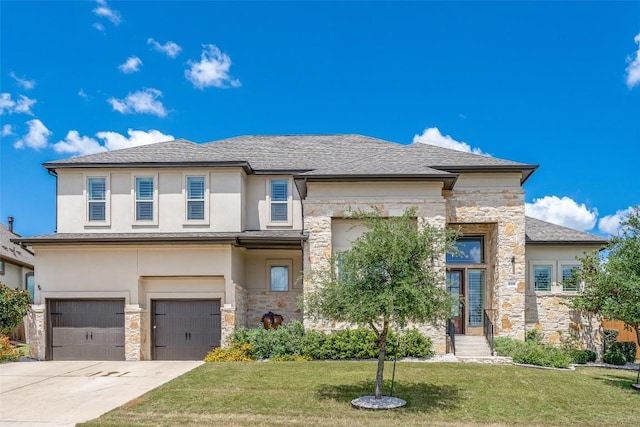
[
  {"x": 83, "y": 94},
  {"x": 82, "y": 145},
  {"x": 562, "y": 211},
  {"x": 131, "y": 65},
  {"x": 610, "y": 224},
  {"x": 7, "y": 130},
  {"x": 170, "y": 48},
  {"x": 36, "y": 138},
  {"x": 211, "y": 70},
  {"x": 633, "y": 70},
  {"x": 22, "y": 105},
  {"x": 141, "y": 102},
  {"x": 98, "y": 26},
  {"x": 105, "y": 11},
  {"x": 23, "y": 82},
  {"x": 432, "y": 136}
]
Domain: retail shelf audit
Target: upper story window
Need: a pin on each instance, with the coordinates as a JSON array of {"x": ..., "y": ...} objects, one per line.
[
  {"x": 279, "y": 200},
  {"x": 195, "y": 191},
  {"x": 470, "y": 251},
  {"x": 97, "y": 199},
  {"x": 145, "y": 198}
]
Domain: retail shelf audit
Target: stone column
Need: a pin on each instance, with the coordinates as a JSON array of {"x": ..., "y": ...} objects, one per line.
[
  {"x": 37, "y": 331},
  {"x": 227, "y": 323},
  {"x": 132, "y": 332}
]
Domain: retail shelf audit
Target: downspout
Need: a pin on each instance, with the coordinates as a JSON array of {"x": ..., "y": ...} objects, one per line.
[{"x": 55, "y": 175}]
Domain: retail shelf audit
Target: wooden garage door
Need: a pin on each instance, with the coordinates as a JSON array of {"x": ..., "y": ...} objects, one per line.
[
  {"x": 86, "y": 329},
  {"x": 185, "y": 329}
]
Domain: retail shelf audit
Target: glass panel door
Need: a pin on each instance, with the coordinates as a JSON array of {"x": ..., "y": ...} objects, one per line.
[
  {"x": 455, "y": 287},
  {"x": 475, "y": 298}
]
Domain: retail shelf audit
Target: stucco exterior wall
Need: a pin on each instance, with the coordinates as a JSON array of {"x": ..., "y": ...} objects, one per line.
[
  {"x": 15, "y": 276},
  {"x": 257, "y": 214}
]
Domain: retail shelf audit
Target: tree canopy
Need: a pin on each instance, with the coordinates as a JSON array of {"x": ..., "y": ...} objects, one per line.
[
  {"x": 392, "y": 275},
  {"x": 612, "y": 284}
]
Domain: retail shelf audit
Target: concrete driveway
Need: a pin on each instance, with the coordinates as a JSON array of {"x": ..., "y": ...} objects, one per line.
[{"x": 64, "y": 393}]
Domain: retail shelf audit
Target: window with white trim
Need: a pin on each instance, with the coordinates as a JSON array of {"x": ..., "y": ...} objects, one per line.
[
  {"x": 195, "y": 193},
  {"x": 279, "y": 200},
  {"x": 569, "y": 279},
  {"x": 144, "y": 198},
  {"x": 279, "y": 275},
  {"x": 97, "y": 199},
  {"x": 542, "y": 277}
]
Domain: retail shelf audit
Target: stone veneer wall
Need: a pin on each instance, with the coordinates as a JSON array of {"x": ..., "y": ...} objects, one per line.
[
  {"x": 284, "y": 303},
  {"x": 505, "y": 208},
  {"x": 317, "y": 250},
  {"x": 133, "y": 332},
  {"x": 37, "y": 332},
  {"x": 549, "y": 313},
  {"x": 241, "y": 307}
]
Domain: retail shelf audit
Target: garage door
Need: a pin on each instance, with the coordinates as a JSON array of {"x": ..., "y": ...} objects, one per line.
[
  {"x": 185, "y": 329},
  {"x": 86, "y": 329}
]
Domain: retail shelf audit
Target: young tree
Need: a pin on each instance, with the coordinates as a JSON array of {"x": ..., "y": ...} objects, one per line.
[
  {"x": 612, "y": 286},
  {"x": 14, "y": 305},
  {"x": 393, "y": 274}
]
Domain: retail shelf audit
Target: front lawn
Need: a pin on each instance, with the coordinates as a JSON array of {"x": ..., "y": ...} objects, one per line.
[{"x": 318, "y": 393}]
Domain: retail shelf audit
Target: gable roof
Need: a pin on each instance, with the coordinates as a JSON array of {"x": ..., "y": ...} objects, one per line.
[
  {"x": 12, "y": 252},
  {"x": 538, "y": 232},
  {"x": 314, "y": 156}
]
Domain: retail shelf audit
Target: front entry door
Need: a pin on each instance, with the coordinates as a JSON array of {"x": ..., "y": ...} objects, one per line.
[{"x": 455, "y": 287}]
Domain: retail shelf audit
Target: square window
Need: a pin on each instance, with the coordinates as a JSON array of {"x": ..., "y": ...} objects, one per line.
[
  {"x": 470, "y": 251},
  {"x": 279, "y": 278},
  {"x": 542, "y": 277}
]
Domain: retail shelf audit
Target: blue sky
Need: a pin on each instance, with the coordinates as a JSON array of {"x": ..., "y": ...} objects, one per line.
[{"x": 554, "y": 84}]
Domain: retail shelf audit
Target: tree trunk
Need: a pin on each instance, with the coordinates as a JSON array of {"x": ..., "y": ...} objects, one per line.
[{"x": 382, "y": 346}]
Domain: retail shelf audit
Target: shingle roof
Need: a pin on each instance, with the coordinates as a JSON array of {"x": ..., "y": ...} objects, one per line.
[
  {"x": 542, "y": 232},
  {"x": 315, "y": 155},
  {"x": 13, "y": 252},
  {"x": 263, "y": 238}
]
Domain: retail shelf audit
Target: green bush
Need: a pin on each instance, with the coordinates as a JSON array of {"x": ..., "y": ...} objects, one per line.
[
  {"x": 344, "y": 344},
  {"x": 506, "y": 346},
  {"x": 592, "y": 355},
  {"x": 534, "y": 336},
  {"x": 414, "y": 344},
  {"x": 580, "y": 356},
  {"x": 614, "y": 358},
  {"x": 627, "y": 348},
  {"x": 14, "y": 305},
  {"x": 542, "y": 355},
  {"x": 271, "y": 343},
  {"x": 609, "y": 336}
]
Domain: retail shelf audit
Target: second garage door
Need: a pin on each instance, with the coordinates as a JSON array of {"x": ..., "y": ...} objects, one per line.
[{"x": 185, "y": 329}]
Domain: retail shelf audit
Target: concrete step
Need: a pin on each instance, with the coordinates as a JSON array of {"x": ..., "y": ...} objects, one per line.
[{"x": 472, "y": 346}]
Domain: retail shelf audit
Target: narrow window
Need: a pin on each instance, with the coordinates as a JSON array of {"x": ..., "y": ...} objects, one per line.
[
  {"x": 1, "y": 267},
  {"x": 279, "y": 200},
  {"x": 144, "y": 199},
  {"x": 476, "y": 297},
  {"x": 279, "y": 278},
  {"x": 31, "y": 285},
  {"x": 97, "y": 199},
  {"x": 195, "y": 197},
  {"x": 542, "y": 277},
  {"x": 569, "y": 279}
]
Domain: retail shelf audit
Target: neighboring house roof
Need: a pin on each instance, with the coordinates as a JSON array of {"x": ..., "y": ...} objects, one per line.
[
  {"x": 12, "y": 252},
  {"x": 248, "y": 239},
  {"x": 311, "y": 156},
  {"x": 538, "y": 232}
]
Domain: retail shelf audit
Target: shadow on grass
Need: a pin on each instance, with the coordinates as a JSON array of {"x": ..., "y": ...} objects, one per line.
[
  {"x": 420, "y": 397},
  {"x": 617, "y": 381}
]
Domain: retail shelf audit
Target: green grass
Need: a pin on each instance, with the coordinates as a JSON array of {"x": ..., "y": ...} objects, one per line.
[{"x": 318, "y": 393}]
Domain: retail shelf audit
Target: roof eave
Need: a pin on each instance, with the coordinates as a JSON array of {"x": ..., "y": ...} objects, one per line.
[
  {"x": 597, "y": 243},
  {"x": 525, "y": 170},
  {"x": 448, "y": 180},
  {"x": 71, "y": 165}
]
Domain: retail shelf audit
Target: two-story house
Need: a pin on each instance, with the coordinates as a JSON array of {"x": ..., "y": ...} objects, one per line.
[{"x": 162, "y": 250}]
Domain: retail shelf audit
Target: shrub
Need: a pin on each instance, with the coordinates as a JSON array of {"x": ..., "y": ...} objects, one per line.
[
  {"x": 292, "y": 358},
  {"x": 271, "y": 343},
  {"x": 414, "y": 344},
  {"x": 534, "y": 336},
  {"x": 592, "y": 355},
  {"x": 581, "y": 356},
  {"x": 14, "y": 305},
  {"x": 8, "y": 351},
  {"x": 614, "y": 358},
  {"x": 542, "y": 355},
  {"x": 627, "y": 348},
  {"x": 506, "y": 346},
  {"x": 235, "y": 353},
  {"x": 609, "y": 336}
]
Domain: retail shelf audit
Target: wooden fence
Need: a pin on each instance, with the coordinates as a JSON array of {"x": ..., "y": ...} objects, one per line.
[{"x": 623, "y": 334}]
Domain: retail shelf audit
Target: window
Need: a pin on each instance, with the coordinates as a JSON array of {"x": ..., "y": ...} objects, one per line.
[
  {"x": 569, "y": 279},
  {"x": 195, "y": 190},
  {"x": 144, "y": 199},
  {"x": 1, "y": 267},
  {"x": 279, "y": 278},
  {"x": 475, "y": 280},
  {"x": 97, "y": 199},
  {"x": 542, "y": 277},
  {"x": 470, "y": 251},
  {"x": 279, "y": 200},
  {"x": 31, "y": 285}
]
